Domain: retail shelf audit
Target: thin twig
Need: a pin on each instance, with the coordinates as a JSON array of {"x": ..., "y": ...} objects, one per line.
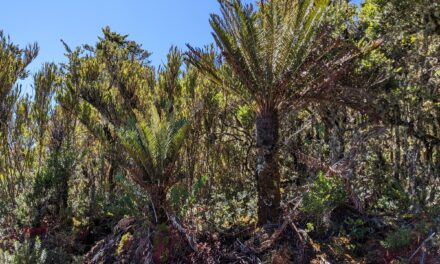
[{"x": 421, "y": 246}]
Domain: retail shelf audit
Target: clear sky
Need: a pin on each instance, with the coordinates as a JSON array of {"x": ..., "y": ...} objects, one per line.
[{"x": 156, "y": 24}]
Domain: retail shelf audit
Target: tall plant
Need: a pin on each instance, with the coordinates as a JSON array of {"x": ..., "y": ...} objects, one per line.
[
  {"x": 114, "y": 91},
  {"x": 282, "y": 56}
]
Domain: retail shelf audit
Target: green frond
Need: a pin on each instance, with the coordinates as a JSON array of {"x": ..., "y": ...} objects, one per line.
[{"x": 266, "y": 48}]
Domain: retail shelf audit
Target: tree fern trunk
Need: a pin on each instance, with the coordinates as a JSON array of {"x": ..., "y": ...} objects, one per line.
[
  {"x": 111, "y": 180},
  {"x": 158, "y": 204},
  {"x": 267, "y": 171}
]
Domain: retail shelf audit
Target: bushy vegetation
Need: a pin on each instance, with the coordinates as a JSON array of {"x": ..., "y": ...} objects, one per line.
[
  {"x": 398, "y": 239},
  {"x": 26, "y": 252},
  {"x": 309, "y": 131}
]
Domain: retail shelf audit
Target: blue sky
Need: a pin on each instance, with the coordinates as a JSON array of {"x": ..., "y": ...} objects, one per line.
[{"x": 156, "y": 24}]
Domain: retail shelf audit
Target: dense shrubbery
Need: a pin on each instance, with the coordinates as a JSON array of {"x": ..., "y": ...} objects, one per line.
[
  {"x": 324, "y": 196},
  {"x": 312, "y": 131},
  {"x": 26, "y": 252}
]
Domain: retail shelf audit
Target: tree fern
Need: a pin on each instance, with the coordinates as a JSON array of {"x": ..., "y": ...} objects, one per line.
[
  {"x": 281, "y": 54},
  {"x": 126, "y": 103}
]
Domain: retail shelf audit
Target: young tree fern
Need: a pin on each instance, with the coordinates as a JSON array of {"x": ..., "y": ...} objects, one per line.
[
  {"x": 155, "y": 144},
  {"x": 114, "y": 92}
]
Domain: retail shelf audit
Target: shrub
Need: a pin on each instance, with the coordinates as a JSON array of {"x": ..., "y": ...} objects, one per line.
[
  {"x": 325, "y": 194},
  {"x": 130, "y": 202},
  {"x": 357, "y": 228},
  {"x": 182, "y": 199},
  {"x": 397, "y": 239},
  {"x": 27, "y": 252}
]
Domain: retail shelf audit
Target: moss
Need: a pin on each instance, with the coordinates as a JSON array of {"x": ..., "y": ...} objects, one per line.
[
  {"x": 126, "y": 238},
  {"x": 77, "y": 223}
]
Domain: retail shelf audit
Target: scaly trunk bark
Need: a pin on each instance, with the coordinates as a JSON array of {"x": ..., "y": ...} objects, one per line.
[
  {"x": 267, "y": 171},
  {"x": 158, "y": 204}
]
